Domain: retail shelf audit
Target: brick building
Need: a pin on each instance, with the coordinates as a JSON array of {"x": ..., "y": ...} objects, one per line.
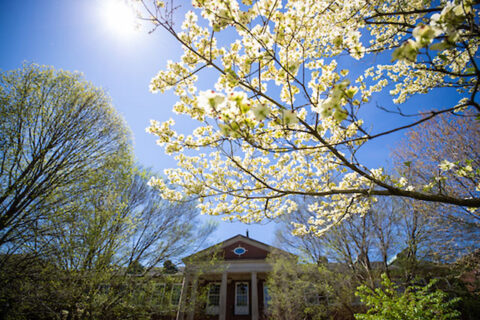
[{"x": 235, "y": 283}]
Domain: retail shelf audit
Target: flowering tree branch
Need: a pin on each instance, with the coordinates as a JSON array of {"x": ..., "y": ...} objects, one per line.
[{"x": 286, "y": 119}]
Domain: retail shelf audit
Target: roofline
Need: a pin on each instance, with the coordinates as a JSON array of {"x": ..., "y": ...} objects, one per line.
[{"x": 225, "y": 243}]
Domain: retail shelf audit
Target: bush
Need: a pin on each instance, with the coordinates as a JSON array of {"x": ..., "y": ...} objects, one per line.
[{"x": 415, "y": 303}]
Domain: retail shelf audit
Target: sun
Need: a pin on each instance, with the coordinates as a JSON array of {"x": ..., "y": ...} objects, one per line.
[{"x": 119, "y": 17}]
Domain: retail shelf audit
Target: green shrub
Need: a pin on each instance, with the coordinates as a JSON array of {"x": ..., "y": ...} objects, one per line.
[{"x": 415, "y": 303}]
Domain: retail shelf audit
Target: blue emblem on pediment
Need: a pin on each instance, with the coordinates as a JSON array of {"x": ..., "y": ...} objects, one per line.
[{"x": 239, "y": 250}]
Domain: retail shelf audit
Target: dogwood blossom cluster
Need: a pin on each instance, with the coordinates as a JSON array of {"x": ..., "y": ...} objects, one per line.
[
  {"x": 284, "y": 118},
  {"x": 446, "y": 23}
]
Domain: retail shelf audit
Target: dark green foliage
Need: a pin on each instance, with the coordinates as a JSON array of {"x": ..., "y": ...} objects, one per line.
[
  {"x": 169, "y": 267},
  {"x": 390, "y": 302},
  {"x": 136, "y": 268}
]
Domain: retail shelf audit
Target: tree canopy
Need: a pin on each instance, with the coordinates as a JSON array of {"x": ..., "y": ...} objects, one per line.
[
  {"x": 80, "y": 229},
  {"x": 102, "y": 252},
  {"x": 55, "y": 130},
  {"x": 289, "y": 112}
]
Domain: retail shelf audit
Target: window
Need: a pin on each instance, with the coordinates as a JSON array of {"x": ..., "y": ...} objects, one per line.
[
  {"x": 239, "y": 250},
  {"x": 158, "y": 293},
  {"x": 213, "y": 302},
  {"x": 241, "y": 298},
  {"x": 175, "y": 295},
  {"x": 137, "y": 294},
  {"x": 266, "y": 297},
  {"x": 312, "y": 298},
  {"x": 315, "y": 297}
]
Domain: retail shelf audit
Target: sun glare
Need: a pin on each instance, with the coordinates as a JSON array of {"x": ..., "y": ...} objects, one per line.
[{"x": 119, "y": 17}]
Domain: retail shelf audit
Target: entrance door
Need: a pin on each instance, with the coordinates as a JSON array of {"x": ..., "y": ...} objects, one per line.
[{"x": 241, "y": 298}]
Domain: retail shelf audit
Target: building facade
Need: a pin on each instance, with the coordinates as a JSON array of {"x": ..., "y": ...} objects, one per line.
[{"x": 233, "y": 274}]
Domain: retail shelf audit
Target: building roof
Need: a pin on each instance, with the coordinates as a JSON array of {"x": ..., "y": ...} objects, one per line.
[{"x": 224, "y": 244}]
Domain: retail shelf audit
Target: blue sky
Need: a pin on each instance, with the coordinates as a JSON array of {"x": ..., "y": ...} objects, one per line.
[{"x": 73, "y": 35}]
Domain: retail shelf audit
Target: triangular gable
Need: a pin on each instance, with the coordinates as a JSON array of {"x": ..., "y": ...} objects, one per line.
[
  {"x": 242, "y": 249},
  {"x": 238, "y": 247}
]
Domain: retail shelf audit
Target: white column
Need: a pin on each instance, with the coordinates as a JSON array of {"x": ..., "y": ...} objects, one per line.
[
  {"x": 254, "y": 297},
  {"x": 183, "y": 297},
  {"x": 223, "y": 297},
  {"x": 191, "y": 311}
]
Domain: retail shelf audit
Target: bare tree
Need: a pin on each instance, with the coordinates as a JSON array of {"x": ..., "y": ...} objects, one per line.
[
  {"x": 113, "y": 237},
  {"x": 452, "y": 231}
]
